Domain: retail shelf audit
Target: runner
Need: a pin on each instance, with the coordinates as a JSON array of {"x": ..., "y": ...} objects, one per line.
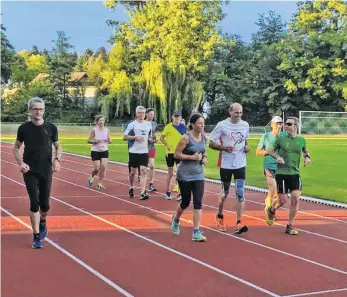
[
  {"x": 100, "y": 138},
  {"x": 170, "y": 137},
  {"x": 190, "y": 174},
  {"x": 150, "y": 113},
  {"x": 232, "y": 134},
  {"x": 139, "y": 132},
  {"x": 270, "y": 165},
  {"x": 37, "y": 166},
  {"x": 289, "y": 147},
  {"x": 129, "y": 143}
]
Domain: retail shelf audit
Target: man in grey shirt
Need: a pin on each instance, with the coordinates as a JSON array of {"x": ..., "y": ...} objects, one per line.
[{"x": 150, "y": 113}]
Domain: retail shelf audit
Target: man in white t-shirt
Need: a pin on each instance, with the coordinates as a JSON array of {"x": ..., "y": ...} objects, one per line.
[
  {"x": 139, "y": 133},
  {"x": 230, "y": 138}
]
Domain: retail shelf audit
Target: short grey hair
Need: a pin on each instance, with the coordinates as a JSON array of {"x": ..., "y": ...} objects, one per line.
[
  {"x": 140, "y": 108},
  {"x": 35, "y": 100}
]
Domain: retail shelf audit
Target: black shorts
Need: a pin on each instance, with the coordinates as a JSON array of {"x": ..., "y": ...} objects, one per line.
[
  {"x": 288, "y": 183},
  {"x": 227, "y": 174},
  {"x": 136, "y": 160},
  {"x": 39, "y": 190},
  {"x": 170, "y": 160},
  {"x": 97, "y": 156}
]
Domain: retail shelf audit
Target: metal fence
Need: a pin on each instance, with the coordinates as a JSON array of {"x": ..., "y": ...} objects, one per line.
[{"x": 86, "y": 127}]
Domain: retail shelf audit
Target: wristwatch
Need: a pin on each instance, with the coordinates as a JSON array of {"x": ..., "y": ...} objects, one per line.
[{"x": 56, "y": 158}]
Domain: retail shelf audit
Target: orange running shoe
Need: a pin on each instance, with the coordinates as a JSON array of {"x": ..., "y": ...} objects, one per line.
[{"x": 220, "y": 224}]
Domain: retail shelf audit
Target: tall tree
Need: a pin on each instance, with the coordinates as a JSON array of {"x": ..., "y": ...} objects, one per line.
[
  {"x": 7, "y": 56},
  {"x": 313, "y": 55}
]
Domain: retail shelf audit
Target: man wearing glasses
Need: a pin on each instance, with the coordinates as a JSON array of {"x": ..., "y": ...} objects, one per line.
[
  {"x": 38, "y": 137},
  {"x": 270, "y": 164},
  {"x": 289, "y": 148}
]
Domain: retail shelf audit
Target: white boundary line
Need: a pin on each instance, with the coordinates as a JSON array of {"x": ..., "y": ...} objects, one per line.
[
  {"x": 317, "y": 293},
  {"x": 159, "y": 244},
  {"x": 188, "y": 221},
  {"x": 251, "y": 188},
  {"x": 213, "y": 207},
  {"x": 215, "y": 193},
  {"x": 210, "y": 206},
  {"x": 71, "y": 256}
]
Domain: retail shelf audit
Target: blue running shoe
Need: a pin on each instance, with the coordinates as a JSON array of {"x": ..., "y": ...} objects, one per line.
[
  {"x": 175, "y": 226},
  {"x": 100, "y": 186},
  {"x": 90, "y": 181},
  {"x": 198, "y": 236},
  {"x": 37, "y": 243},
  {"x": 43, "y": 230}
]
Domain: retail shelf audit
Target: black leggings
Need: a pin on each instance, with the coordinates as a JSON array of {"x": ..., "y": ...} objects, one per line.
[
  {"x": 138, "y": 169},
  {"x": 187, "y": 188},
  {"x": 39, "y": 190}
]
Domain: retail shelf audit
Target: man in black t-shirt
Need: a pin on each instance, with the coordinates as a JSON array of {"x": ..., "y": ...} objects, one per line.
[{"x": 37, "y": 166}]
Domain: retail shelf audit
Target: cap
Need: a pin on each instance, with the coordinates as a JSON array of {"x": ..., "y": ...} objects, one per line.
[
  {"x": 176, "y": 113},
  {"x": 277, "y": 119}
]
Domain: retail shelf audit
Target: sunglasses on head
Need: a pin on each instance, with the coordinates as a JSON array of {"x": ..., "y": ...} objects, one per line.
[{"x": 289, "y": 124}]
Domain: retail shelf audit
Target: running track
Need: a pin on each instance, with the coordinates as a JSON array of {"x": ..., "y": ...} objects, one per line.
[{"x": 101, "y": 243}]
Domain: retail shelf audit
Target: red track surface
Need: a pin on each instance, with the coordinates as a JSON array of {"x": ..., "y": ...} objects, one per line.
[{"x": 105, "y": 244}]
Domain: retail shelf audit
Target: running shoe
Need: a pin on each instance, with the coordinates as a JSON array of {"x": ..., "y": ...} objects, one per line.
[
  {"x": 144, "y": 196},
  {"x": 37, "y": 243},
  {"x": 198, "y": 236},
  {"x": 175, "y": 226},
  {"x": 90, "y": 181},
  {"x": 100, "y": 187},
  {"x": 152, "y": 188},
  {"x": 179, "y": 197},
  {"x": 240, "y": 229},
  {"x": 168, "y": 196},
  {"x": 220, "y": 224},
  {"x": 290, "y": 229},
  {"x": 43, "y": 230},
  {"x": 270, "y": 216},
  {"x": 131, "y": 192}
]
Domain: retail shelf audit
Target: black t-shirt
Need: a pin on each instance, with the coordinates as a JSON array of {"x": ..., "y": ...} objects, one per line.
[{"x": 38, "y": 142}]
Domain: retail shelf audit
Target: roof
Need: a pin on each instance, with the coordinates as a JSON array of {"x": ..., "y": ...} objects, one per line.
[{"x": 74, "y": 76}]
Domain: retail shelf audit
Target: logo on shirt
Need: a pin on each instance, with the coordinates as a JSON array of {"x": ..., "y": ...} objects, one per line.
[{"x": 237, "y": 137}]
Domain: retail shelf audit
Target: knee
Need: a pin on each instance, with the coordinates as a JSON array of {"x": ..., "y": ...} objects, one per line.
[
  {"x": 34, "y": 207},
  {"x": 225, "y": 190},
  {"x": 184, "y": 203},
  {"x": 143, "y": 171},
  {"x": 102, "y": 168},
  {"x": 97, "y": 169},
  {"x": 240, "y": 190},
  {"x": 151, "y": 166},
  {"x": 197, "y": 204}
]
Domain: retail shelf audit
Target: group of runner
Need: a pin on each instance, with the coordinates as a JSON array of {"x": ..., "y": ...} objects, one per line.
[{"x": 185, "y": 148}]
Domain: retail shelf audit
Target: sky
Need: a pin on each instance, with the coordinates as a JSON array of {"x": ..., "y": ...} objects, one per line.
[{"x": 31, "y": 23}]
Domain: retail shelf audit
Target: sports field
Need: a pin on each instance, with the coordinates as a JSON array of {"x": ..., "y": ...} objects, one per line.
[{"x": 325, "y": 178}]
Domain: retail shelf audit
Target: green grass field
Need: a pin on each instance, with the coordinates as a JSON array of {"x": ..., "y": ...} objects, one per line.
[{"x": 324, "y": 178}]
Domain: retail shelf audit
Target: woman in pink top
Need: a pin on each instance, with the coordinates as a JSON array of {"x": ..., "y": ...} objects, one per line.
[{"x": 99, "y": 137}]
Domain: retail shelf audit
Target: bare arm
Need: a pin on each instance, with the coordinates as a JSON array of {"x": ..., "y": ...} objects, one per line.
[
  {"x": 17, "y": 145},
  {"x": 109, "y": 140},
  {"x": 91, "y": 137},
  {"x": 180, "y": 147},
  {"x": 261, "y": 152},
  {"x": 163, "y": 141},
  {"x": 129, "y": 137},
  {"x": 57, "y": 157}
]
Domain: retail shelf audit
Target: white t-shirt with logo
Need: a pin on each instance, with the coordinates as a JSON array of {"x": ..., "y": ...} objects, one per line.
[
  {"x": 229, "y": 134},
  {"x": 139, "y": 129}
]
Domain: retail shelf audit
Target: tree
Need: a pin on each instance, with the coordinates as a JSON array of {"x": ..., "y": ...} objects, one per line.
[
  {"x": 61, "y": 65},
  {"x": 313, "y": 54},
  {"x": 169, "y": 45},
  {"x": 7, "y": 56}
]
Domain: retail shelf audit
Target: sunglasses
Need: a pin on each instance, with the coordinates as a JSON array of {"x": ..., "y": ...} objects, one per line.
[{"x": 289, "y": 124}]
